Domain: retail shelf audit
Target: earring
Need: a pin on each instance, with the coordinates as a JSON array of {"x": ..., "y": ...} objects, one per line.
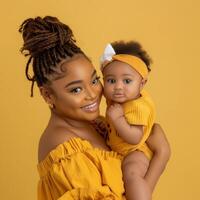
[{"x": 51, "y": 105}]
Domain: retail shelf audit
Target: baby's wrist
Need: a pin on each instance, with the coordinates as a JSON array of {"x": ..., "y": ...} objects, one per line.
[{"x": 117, "y": 120}]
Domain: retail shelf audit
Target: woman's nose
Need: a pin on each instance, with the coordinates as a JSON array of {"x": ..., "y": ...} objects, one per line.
[{"x": 90, "y": 93}]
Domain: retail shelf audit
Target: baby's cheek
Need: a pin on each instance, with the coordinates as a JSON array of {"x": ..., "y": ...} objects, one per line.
[{"x": 105, "y": 90}]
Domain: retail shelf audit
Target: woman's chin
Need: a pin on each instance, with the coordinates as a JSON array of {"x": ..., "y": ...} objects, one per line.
[
  {"x": 95, "y": 115},
  {"x": 91, "y": 116}
]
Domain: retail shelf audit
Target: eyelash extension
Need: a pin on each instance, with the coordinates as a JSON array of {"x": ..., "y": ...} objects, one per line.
[
  {"x": 98, "y": 77},
  {"x": 73, "y": 89}
]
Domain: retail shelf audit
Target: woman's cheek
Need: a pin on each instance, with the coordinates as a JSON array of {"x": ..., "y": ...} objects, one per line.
[{"x": 100, "y": 90}]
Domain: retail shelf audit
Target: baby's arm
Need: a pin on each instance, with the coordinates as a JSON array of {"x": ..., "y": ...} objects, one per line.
[
  {"x": 129, "y": 133},
  {"x": 158, "y": 143}
]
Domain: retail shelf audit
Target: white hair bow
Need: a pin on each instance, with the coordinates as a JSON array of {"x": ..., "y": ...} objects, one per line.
[{"x": 108, "y": 53}]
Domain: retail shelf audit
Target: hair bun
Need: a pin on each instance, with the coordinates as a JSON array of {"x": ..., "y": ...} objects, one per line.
[{"x": 40, "y": 34}]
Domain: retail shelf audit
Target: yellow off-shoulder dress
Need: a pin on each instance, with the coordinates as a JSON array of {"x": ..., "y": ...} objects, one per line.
[{"x": 76, "y": 170}]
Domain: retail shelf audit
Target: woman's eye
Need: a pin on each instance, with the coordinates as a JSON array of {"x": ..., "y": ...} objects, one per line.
[
  {"x": 127, "y": 81},
  {"x": 111, "y": 81},
  {"x": 96, "y": 80},
  {"x": 76, "y": 90}
]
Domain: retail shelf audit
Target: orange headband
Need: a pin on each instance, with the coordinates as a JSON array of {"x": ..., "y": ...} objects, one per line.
[{"x": 136, "y": 63}]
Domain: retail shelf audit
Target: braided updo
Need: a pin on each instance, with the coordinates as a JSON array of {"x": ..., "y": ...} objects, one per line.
[{"x": 47, "y": 41}]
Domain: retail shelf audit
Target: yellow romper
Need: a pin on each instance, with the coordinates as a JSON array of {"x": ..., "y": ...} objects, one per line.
[
  {"x": 75, "y": 170},
  {"x": 137, "y": 112}
]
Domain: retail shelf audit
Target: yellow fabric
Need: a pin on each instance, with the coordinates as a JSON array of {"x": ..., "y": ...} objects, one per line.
[
  {"x": 137, "y": 112},
  {"x": 76, "y": 170},
  {"x": 135, "y": 62}
]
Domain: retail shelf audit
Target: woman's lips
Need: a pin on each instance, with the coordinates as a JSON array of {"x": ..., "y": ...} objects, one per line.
[{"x": 93, "y": 107}]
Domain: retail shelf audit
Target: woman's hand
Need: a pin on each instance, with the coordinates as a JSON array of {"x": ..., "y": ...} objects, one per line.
[
  {"x": 158, "y": 143},
  {"x": 99, "y": 125}
]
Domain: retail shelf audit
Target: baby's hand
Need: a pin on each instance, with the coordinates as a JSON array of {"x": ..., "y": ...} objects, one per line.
[{"x": 114, "y": 112}]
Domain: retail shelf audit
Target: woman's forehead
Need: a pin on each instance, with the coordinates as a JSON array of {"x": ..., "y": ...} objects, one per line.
[
  {"x": 78, "y": 66},
  {"x": 76, "y": 70}
]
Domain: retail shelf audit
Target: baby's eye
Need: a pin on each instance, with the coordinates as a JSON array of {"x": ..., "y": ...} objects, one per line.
[
  {"x": 127, "y": 81},
  {"x": 96, "y": 80},
  {"x": 76, "y": 90},
  {"x": 111, "y": 80}
]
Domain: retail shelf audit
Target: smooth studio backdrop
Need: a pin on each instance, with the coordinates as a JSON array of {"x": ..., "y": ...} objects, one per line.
[{"x": 169, "y": 30}]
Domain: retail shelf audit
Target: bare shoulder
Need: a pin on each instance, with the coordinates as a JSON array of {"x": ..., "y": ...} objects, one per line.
[{"x": 50, "y": 139}]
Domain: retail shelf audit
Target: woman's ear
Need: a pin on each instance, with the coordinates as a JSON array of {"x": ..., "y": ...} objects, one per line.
[
  {"x": 143, "y": 82},
  {"x": 47, "y": 94}
]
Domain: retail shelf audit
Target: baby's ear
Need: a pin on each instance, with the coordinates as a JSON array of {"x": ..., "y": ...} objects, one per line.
[{"x": 143, "y": 82}]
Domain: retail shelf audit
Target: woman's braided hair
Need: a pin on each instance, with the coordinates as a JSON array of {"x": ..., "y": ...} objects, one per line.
[{"x": 47, "y": 41}]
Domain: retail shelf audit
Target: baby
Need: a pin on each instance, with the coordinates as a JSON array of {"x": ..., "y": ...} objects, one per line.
[{"x": 130, "y": 113}]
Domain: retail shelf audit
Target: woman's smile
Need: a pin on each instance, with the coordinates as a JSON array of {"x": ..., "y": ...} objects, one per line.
[{"x": 93, "y": 107}]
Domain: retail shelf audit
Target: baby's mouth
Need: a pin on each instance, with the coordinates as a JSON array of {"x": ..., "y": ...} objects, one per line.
[{"x": 118, "y": 95}]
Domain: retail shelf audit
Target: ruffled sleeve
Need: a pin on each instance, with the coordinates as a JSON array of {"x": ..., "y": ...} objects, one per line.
[
  {"x": 76, "y": 170},
  {"x": 87, "y": 194}
]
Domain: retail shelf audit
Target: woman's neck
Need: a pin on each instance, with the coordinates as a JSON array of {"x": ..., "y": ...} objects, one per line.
[{"x": 67, "y": 123}]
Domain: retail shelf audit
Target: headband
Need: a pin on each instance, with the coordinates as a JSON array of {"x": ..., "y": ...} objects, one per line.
[{"x": 136, "y": 63}]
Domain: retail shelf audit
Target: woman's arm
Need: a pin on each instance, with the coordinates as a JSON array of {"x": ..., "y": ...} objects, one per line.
[{"x": 158, "y": 143}]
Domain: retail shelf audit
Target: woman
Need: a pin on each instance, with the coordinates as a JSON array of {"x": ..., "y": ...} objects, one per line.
[{"x": 74, "y": 161}]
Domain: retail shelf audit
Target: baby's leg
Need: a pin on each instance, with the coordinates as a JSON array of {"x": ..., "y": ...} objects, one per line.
[{"x": 134, "y": 168}]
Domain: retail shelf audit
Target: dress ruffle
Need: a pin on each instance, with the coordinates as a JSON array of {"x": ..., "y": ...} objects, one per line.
[
  {"x": 77, "y": 170},
  {"x": 102, "y": 193}
]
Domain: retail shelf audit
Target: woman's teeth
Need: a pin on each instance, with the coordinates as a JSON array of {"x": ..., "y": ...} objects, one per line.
[{"x": 91, "y": 108}]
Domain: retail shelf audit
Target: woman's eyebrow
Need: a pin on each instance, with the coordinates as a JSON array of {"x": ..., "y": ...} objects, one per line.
[
  {"x": 73, "y": 82},
  {"x": 79, "y": 81},
  {"x": 94, "y": 72}
]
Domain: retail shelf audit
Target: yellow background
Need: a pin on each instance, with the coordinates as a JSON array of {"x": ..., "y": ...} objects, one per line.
[{"x": 169, "y": 30}]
